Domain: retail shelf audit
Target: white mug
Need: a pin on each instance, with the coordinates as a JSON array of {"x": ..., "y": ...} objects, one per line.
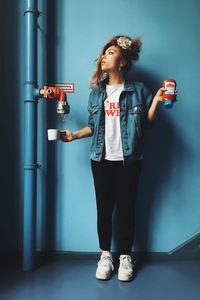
[{"x": 53, "y": 134}]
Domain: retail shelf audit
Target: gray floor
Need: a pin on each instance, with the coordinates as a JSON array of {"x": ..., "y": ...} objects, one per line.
[{"x": 72, "y": 278}]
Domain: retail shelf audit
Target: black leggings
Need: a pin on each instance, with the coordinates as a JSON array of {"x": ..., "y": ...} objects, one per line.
[{"x": 116, "y": 184}]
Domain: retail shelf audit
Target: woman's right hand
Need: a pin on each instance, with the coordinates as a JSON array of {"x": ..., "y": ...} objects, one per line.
[{"x": 66, "y": 136}]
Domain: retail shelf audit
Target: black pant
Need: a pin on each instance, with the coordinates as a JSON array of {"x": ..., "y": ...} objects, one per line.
[{"x": 116, "y": 184}]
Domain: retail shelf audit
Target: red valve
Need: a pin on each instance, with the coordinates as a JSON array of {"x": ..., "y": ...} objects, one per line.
[
  {"x": 51, "y": 92},
  {"x": 58, "y": 92}
]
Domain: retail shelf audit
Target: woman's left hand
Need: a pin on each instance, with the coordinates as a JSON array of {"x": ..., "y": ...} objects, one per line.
[
  {"x": 156, "y": 101},
  {"x": 159, "y": 95}
]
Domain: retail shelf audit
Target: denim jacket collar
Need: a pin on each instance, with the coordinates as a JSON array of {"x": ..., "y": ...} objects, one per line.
[{"x": 128, "y": 86}]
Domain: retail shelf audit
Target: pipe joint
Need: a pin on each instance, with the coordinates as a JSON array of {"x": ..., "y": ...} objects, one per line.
[{"x": 31, "y": 91}]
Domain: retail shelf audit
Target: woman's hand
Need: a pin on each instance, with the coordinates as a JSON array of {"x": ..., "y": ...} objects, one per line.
[
  {"x": 154, "y": 105},
  {"x": 159, "y": 95},
  {"x": 156, "y": 101},
  {"x": 66, "y": 136}
]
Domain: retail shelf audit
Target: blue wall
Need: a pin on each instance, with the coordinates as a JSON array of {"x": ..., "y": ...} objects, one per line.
[{"x": 168, "y": 208}]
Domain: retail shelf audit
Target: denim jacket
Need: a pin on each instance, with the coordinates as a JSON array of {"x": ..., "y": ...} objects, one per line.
[{"x": 134, "y": 102}]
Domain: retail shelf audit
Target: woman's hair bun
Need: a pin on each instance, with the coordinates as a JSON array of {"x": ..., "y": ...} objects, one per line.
[
  {"x": 130, "y": 46},
  {"x": 135, "y": 48}
]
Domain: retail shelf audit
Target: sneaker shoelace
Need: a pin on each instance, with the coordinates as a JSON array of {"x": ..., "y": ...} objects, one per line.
[
  {"x": 126, "y": 262},
  {"x": 105, "y": 261}
]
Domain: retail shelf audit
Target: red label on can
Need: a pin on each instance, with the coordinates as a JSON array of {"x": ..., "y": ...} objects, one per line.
[{"x": 170, "y": 92}]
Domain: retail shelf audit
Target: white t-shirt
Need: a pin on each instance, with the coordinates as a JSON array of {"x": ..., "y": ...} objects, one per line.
[{"x": 113, "y": 144}]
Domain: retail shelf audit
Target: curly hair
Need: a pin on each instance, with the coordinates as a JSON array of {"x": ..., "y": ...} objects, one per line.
[{"x": 130, "y": 54}]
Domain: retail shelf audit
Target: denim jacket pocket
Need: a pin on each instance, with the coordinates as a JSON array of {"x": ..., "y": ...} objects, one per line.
[
  {"x": 138, "y": 113},
  {"x": 94, "y": 109},
  {"x": 138, "y": 109},
  {"x": 93, "y": 113}
]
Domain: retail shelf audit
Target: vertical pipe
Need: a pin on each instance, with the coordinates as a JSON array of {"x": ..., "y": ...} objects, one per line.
[{"x": 30, "y": 135}]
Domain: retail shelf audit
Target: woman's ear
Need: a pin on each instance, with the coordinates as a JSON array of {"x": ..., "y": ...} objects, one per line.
[{"x": 123, "y": 63}]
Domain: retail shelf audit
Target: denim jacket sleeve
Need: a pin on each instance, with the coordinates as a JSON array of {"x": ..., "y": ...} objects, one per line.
[
  {"x": 148, "y": 98},
  {"x": 93, "y": 108},
  {"x": 90, "y": 117}
]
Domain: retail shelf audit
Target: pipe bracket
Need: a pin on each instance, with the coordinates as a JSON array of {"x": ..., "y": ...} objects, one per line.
[
  {"x": 33, "y": 11},
  {"x": 31, "y": 101},
  {"x": 32, "y": 167}
]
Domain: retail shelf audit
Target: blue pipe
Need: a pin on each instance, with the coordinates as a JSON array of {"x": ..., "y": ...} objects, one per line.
[{"x": 30, "y": 135}]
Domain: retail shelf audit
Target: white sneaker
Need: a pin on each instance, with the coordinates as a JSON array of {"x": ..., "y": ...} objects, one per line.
[
  {"x": 125, "y": 271},
  {"x": 104, "y": 267}
]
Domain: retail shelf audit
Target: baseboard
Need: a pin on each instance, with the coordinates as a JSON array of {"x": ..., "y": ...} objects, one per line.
[{"x": 189, "y": 250}]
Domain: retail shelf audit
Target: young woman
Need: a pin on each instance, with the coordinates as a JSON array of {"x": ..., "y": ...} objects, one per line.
[{"x": 118, "y": 113}]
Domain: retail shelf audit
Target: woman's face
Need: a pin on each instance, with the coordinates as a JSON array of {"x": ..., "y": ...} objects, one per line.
[{"x": 111, "y": 59}]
